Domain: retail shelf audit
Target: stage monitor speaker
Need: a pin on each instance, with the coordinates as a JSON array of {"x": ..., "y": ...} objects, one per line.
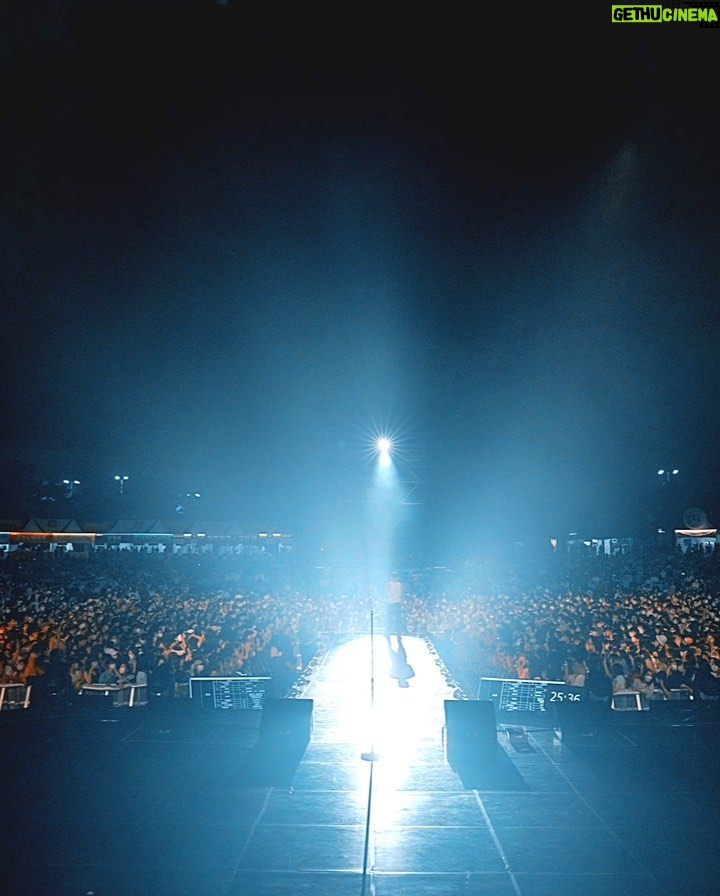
[
  {"x": 470, "y": 724},
  {"x": 286, "y": 720}
]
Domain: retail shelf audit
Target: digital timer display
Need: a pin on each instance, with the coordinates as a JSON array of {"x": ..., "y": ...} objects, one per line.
[{"x": 563, "y": 694}]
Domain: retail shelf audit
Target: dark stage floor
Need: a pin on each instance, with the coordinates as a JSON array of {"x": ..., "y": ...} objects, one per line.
[{"x": 155, "y": 800}]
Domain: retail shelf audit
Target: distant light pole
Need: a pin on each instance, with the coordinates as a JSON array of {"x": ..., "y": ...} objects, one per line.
[
  {"x": 667, "y": 498},
  {"x": 121, "y": 480},
  {"x": 70, "y": 486},
  {"x": 181, "y": 506}
]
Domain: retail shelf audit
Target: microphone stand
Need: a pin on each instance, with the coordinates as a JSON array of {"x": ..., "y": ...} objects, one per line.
[{"x": 371, "y": 756}]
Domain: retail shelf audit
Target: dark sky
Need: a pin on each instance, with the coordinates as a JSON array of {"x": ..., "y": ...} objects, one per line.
[{"x": 234, "y": 249}]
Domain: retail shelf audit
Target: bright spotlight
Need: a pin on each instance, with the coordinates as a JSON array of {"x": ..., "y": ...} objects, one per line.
[
  {"x": 384, "y": 445},
  {"x": 383, "y": 448}
]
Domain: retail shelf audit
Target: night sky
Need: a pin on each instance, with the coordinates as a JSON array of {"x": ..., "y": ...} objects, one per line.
[{"x": 234, "y": 250}]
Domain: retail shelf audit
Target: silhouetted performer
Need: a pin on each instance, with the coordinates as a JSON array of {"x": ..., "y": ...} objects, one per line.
[{"x": 399, "y": 666}]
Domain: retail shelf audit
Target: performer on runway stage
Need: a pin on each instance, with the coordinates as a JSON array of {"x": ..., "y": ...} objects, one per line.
[{"x": 394, "y": 623}]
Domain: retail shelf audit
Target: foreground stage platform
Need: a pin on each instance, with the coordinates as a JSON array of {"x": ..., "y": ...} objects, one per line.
[{"x": 167, "y": 799}]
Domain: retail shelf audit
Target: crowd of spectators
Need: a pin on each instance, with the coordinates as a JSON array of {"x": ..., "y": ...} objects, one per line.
[
  {"x": 646, "y": 621},
  {"x": 105, "y": 619},
  {"x": 643, "y": 620}
]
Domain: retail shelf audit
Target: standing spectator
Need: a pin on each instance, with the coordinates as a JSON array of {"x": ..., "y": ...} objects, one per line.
[
  {"x": 707, "y": 681},
  {"x": 618, "y": 680}
]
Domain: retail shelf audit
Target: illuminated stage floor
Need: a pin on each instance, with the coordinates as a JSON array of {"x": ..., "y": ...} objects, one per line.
[{"x": 175, "y": 801}]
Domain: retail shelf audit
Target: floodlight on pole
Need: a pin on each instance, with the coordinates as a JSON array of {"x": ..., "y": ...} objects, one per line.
[
  {"x": 70, "y": 486},
  {"x": 667, "y": 474},
  {"x": 121, "y": 480}
]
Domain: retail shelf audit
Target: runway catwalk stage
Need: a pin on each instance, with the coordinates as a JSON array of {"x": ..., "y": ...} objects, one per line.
[
  {"x": 188, "y": 801},
  {"x": 357, "y": 702}
]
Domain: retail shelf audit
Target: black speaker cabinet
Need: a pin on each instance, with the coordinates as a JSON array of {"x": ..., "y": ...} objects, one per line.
[
  {"x": 286, "y": 720},
  {"x": 470, "y": 725}
]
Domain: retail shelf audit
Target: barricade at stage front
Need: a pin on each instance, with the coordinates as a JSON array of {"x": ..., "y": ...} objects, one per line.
[
  {"x": 119, "y": 695},
  {"x": 14, "y": 695}
]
